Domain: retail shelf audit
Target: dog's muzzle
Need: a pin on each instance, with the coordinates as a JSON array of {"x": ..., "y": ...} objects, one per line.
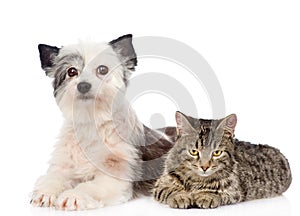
[{"x": 84, "y": 87}]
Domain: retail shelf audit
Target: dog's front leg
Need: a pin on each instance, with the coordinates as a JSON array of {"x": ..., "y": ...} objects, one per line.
[
  {"x": 47, "y": 189},
  {"x": 101, "y": 191}
]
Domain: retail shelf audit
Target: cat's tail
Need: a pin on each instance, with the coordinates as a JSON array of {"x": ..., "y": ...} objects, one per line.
[
  {"x": 158, "y": 143},
  {"x": 286, "y": 177},
  {"x": 280, "y": 171}
]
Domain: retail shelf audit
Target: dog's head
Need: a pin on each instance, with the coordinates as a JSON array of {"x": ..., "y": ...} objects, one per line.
[{"x": 88, "y": 75}]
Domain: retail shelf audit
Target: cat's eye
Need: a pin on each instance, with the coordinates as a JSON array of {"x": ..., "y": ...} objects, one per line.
[
  {"x": 217, "y": 153},
  {"x": 72, "y": 72},
  {"x": 102, "y": 70},
  {"x": 194, "y": 152}
]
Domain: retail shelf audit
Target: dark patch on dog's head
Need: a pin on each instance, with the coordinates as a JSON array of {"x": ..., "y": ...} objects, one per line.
[
  {"x": 47, "y": 55},
  {"x": 62, "y": 63},
  {"x": 56, "y": 65},
  {"x": 124, "y": 48}
]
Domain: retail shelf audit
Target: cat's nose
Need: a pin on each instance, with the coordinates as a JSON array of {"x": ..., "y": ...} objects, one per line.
[
  {"x": 204, "y": 168},
  {"x": 84, "y": 87}
]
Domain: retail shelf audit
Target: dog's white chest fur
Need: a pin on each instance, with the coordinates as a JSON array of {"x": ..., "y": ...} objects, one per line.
[{"x": 91, "y": 148}]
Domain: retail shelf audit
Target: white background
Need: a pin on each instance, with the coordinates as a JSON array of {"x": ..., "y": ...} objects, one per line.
[{"x": 252, "y": 46}]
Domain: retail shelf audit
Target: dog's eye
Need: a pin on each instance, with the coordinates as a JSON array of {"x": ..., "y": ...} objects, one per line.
[
  {"x": 102, "y": 69},
  {"x": 72, "y": 72}
]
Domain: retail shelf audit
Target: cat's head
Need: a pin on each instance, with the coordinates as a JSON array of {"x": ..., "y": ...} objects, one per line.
[{"x": 204, "y": 146}]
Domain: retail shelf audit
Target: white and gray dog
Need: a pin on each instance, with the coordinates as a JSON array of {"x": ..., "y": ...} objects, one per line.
[{"x": 102, "y": 143}]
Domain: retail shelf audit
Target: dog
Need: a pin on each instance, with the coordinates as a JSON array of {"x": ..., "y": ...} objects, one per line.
[{"x": 101, "y": 156}]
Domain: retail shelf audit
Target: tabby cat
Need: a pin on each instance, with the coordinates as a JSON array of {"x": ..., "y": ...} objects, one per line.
[{"x": 207, "y": 167}]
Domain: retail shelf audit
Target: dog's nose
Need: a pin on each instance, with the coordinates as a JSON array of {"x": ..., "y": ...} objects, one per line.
[{"x": 83, "y": 87}]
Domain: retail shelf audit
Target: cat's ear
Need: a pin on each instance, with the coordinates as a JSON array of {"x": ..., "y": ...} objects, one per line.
[
  {"x": 47, "y": 56},
  {"x": 228, "y": 123},
  {"x": 183, "y": 124},
  {"x": 124, "y": 47}
]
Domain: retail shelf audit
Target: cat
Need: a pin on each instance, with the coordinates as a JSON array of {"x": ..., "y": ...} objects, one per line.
[{"x": 208, "y": 167}]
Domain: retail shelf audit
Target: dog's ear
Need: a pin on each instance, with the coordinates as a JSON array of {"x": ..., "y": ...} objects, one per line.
[
  {"x": 123, "y": 46},
  {"x": 47, "y": 55}
]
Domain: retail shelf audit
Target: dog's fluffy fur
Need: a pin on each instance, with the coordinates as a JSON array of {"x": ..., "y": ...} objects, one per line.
[{"x": 96, "y": 158}]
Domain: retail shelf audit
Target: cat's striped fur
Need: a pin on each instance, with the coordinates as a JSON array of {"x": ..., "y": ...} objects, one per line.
[{"x": 207, "y": 167}]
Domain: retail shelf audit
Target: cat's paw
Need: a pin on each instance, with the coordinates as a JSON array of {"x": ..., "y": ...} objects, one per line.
[
  {"x": 72, "y": 200},
  {"x": 207, "y": 201},
  {"x": 39, "y": 199},
  {"x": 180, "y": 200}
]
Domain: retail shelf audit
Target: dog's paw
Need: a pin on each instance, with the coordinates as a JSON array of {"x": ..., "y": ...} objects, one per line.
[
  {"x": 72, "y": 200},
  {"x": 43, "y": 200}
]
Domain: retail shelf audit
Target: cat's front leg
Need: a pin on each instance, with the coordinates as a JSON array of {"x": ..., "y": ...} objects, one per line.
[
  {"x": 173, "y": 197},
  {"x": 101, "y": 191},
  {"x": 47, "y": 189},
  {"x": 169, "y": 191},
  {"x": 180, "y": 199},
  {"x": 207, "y": 200}
]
